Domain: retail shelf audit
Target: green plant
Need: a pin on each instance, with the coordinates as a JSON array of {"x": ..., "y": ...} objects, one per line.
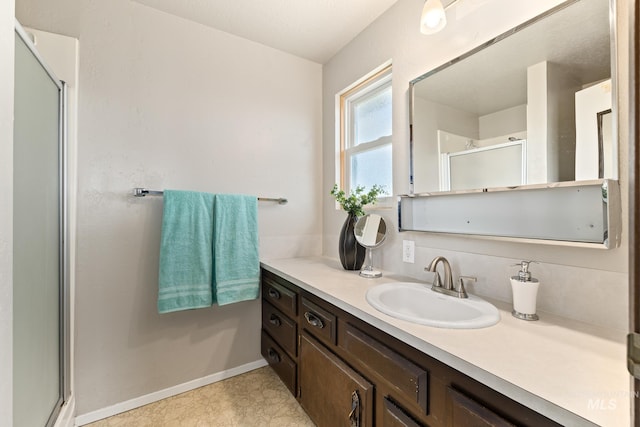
[{"x": 355, "y": 202}]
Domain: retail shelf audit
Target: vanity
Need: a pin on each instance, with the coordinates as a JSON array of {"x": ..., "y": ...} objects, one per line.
[{"x": 349, "y": 364}]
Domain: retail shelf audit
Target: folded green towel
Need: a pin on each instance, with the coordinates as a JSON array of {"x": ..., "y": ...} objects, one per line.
[
  {"x": 235, "y": 248},
  {"x": 186, "y": 258}
]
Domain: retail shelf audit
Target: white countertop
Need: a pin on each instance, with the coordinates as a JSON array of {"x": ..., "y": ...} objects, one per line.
[{"x": 564, "y": 369}]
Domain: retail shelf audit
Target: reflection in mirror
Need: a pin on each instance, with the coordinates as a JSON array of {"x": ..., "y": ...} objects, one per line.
[
  {"x": 521, "y": 109},
  {"x": 370, "y": 232},
  {"x": 605, "y": 142}
]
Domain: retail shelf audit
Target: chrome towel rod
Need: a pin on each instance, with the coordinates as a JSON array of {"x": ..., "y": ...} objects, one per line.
[{"x": 142, "y": 192}]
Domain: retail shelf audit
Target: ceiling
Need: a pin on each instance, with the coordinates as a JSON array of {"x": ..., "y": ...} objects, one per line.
[{"x": 312, "y": 29}]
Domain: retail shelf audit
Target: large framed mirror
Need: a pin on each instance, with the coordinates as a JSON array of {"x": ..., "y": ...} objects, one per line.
[
  {"x": 517, "y": 139},
  {"x": 527, "y": 108}
]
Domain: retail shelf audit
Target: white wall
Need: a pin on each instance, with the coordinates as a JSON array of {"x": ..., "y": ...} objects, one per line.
[
  {"x": 507, "y": 122},
  {"x": 167, "y": 103},
  {"x": 7, "y": 41},
  {"x": 551, "y": 119},
  {"x": 584, "y": 284}
]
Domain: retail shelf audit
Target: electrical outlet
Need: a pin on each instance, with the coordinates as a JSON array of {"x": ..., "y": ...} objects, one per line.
[{"x": 409, "y": 251}]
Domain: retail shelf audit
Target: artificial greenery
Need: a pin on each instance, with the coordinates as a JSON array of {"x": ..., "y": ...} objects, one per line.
[{"x": 355, "y": 202}]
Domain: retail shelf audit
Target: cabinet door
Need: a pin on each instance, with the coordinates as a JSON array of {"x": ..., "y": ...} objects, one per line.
[
  {"x": 332, "y": 393},
  {"x": 465, "y": 412},
  {"x": 408, "y": 379}
]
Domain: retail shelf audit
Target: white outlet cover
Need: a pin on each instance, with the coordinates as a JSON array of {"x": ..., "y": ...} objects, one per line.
[{"x": 408, "y": 251}]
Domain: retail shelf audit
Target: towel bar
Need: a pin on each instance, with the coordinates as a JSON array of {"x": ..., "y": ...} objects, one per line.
[{"x": 142, "y": 192}]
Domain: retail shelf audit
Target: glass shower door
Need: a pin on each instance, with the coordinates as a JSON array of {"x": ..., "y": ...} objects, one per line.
[{"x": 38, "y": 251}]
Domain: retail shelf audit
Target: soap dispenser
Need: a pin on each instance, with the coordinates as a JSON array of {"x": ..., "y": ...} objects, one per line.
[{"x": 525, "y": 293}]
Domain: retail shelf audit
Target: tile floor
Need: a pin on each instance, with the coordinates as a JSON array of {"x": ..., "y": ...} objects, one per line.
[{"x": 257, "y": 398}]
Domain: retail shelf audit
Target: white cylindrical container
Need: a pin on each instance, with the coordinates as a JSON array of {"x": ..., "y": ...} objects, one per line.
[{"x": 525, "y": 293}]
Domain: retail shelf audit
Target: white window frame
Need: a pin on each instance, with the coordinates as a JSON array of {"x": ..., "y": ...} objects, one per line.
[{"x": 368, "y": 86}]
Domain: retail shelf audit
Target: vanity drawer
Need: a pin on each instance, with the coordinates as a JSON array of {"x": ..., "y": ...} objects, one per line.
[
  {"x": 320, "y": 322},
  {"x": 282, "y": 329},
  {"x": 465, "y": 411},
  {"x": 275, "y": 290},
  {"x": 394, "y": 416},
  {"x": 409, "y": 379},
  {"x": 279, "y": 361}
]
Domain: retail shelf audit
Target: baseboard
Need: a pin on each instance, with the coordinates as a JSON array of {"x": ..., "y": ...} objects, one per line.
[
  {"x": 67, "y": 413},
  {"x": 167, "y": 392}
]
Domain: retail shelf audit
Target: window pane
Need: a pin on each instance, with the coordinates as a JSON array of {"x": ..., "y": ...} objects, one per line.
[
  {"x": 372, "y": 116},
  {"x": 372, "y": 167}
]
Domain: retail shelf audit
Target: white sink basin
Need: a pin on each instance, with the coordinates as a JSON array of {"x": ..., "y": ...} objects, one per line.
[{"x": 417, "y": 303}]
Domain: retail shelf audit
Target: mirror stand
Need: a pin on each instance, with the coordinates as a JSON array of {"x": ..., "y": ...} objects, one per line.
[
  {"x": 367, "y": 270},
  {"x": 370, "y": 232}
]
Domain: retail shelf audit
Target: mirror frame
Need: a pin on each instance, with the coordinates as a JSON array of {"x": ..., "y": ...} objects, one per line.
[{"x": 614, "y": 90}]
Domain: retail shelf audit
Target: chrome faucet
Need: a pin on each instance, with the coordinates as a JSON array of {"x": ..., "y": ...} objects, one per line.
[{"x": 446, "y": 288}]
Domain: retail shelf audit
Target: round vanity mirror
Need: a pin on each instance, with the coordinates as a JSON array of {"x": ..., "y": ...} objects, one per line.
[{"x": 370, "y": 232}]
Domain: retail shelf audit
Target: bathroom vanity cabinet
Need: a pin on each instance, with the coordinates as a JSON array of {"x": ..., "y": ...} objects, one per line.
[{"x": 346, "y": 372}]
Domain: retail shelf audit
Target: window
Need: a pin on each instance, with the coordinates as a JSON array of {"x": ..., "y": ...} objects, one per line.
[{"x": 365, "y": 133}]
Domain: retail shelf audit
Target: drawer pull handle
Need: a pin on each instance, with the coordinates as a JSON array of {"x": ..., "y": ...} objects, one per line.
[
  {"x": 354, "y": 415},
  {"x": 273, "y": 355},
  {"x": 313, "y": 320},
  {"x": 275, "y": 320},
  {"x": 273, "y": 293}
]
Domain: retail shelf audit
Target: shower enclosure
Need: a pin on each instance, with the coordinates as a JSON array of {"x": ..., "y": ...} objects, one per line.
[{"x": 40, "y": 284}]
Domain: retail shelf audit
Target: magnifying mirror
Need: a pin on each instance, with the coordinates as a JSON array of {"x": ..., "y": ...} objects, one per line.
[{"x": 370, "y": 232}]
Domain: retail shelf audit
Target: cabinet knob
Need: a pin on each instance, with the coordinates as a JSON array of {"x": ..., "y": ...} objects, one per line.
[
  {"x": 275, "y": 320},
  {"x": 273, "y": 293},
  {"x": 273, "y": 355},
  {"x": 313, "y": 320}
]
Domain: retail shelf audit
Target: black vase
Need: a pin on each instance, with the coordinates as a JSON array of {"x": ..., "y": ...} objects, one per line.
[{"x": 351, "y": 252}]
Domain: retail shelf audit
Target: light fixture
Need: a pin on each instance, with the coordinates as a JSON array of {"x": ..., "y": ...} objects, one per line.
[{"x": 433, "y": 18}]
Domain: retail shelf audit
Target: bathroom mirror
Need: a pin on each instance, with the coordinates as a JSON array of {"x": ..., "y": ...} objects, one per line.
[
  {"x": 370, "y": 231},
  {"x": 526, "y": 108}
]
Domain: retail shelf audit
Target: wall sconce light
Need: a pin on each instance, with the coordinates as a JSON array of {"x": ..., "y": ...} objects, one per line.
[{"x": 433, "y": 17}]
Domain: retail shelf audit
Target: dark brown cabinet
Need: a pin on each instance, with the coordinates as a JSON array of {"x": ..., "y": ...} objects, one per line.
[
  {"x": 332, "y": 393},
  {"x": 279, "y": 342},
  {"x": 346, "y": 372}
]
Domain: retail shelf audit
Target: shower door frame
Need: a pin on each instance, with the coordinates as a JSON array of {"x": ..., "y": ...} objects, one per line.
[{"x": 63, "y": 231}]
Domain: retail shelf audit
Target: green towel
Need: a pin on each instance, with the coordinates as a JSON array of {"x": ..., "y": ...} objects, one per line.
[
  {"x": 186, "y": 258},
  {"x": 235, "y": 248}
]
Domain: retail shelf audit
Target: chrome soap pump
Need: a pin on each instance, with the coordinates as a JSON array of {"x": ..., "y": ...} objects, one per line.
[{"x": 525, "y": 293}]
